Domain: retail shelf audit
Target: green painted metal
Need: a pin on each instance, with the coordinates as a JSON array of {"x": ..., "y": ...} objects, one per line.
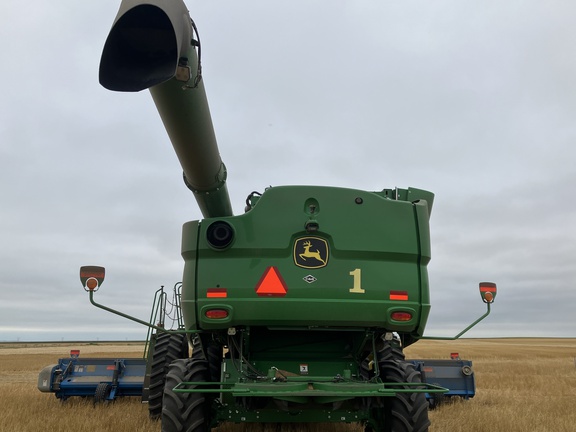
[
  {"x": 367, "y": 262},
  {"x": 149, "y": 47},
  {"x": 297, "y": 415},
  {"x": 136, "y": 320},
  {"x": 463, "y": 331},
  {"x": 312, "y": 389}
]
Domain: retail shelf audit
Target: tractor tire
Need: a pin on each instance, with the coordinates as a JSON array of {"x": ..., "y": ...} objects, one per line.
[
  {"x": 215, "y": 356},
  {"x": 389, "y": 351},
  {"x": 168, "y": 347},
  {"x": 212, "y": 353},
  {"x": 436, "y": 400},
  {"x": 405, "y": 412},
  {"x": 102, "y": 392},
  {"x": 198, "y": 351},
  {"x": 186, "y": 412}
]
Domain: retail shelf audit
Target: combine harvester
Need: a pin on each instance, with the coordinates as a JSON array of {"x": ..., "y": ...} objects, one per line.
[{"x": 297, "y": 310}]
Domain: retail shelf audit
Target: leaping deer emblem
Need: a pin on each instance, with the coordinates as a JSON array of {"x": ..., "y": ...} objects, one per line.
[{"x": 310, "y": 254}]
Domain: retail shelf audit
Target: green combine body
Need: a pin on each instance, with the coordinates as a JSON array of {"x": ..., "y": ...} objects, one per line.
[
  {"x": 361, "y": 264},
  {"x": 297, "y": 310},
  {"x": 302, "y": 289}
]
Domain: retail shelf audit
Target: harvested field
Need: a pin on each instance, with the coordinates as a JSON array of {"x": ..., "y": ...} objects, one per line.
[{"x": 522, "y": 385}]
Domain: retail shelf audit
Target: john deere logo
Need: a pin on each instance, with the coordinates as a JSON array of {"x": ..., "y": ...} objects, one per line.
[{"x": 311, "y": 252}]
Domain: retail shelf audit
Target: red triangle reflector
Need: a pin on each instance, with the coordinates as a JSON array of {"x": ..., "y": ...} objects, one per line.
[{"x": 271, "y": 284}]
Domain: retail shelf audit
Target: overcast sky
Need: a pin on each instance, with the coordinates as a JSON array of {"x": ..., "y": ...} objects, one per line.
[{"x": 472, "y": 100}]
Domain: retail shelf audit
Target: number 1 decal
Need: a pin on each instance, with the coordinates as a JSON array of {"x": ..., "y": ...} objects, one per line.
[{"x": 357, "y": 275}]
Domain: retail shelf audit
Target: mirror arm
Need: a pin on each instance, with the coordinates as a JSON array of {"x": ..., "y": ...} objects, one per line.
[
  {"x": 462, "y": 332},
  {"x": 139, "y": 321}
]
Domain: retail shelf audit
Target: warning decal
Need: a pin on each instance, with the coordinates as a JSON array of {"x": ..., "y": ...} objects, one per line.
[{"x": 271, "y": 284}]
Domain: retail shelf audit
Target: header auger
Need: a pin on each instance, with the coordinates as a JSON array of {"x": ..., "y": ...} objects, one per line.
[{"x": 312, "y": 293}]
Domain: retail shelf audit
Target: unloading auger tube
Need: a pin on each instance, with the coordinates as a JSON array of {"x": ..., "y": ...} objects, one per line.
[{"x": 154, "y": 46}]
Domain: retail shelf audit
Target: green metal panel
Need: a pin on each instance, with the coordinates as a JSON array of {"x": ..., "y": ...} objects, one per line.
[
  {"x": 377, "y": 247},
  {"x": 422, "y": 209},
  {"x": 189, "y": 253}
]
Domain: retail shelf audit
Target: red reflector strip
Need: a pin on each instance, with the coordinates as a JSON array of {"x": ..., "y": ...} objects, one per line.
[
  {"x": 217, "y": 293},
  {"x": 485, "y": 288},
  {"x": 398, "y": 295},
  {"x": 92, "y": 273}
]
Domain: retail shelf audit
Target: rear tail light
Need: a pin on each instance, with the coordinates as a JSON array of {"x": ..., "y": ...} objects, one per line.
[
  {"x": 216, "y": 313},
  {"x": 401, "y": 316}
]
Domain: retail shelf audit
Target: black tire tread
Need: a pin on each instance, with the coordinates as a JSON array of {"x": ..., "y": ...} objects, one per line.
[
  {"x": 185, "y": 412},
  {"x": 168, "y": 347},
  {"x": 405, "y": 412},
  {"x": 102, "y": 392},
  {"x": 212, "y": 353},
  {"x": 389, "y": 351}
]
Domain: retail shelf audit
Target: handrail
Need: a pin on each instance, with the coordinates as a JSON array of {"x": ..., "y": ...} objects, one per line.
[{"x": 159, "y": 299}]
